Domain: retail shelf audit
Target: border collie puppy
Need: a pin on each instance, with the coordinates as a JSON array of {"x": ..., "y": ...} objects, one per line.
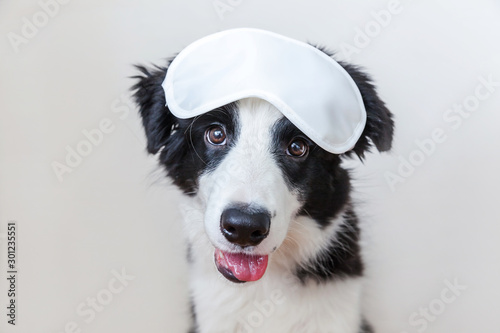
[{"x": 271, "y": 231}]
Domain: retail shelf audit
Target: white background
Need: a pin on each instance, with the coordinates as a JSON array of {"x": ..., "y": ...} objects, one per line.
[{"x": 115, "y": 211}]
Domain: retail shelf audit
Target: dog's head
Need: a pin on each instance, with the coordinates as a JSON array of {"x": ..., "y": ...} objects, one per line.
[{"x": 256, "y": 175}]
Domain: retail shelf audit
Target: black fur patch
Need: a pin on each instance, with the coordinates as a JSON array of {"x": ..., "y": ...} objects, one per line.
[
  {"x": 194, "y": 324},
  {"x": 189, "y": 253},
  {"x": 181, "y": 142},
  {"x": 323, "y": 185},
  {"x": 341, "y": 259},
  {"x": 366, "y": 328}
]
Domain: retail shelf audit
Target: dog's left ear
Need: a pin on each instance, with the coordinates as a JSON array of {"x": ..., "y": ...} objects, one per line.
[
  {"x": 156, "y": 117},
  {"x": 379, "y": 127}
]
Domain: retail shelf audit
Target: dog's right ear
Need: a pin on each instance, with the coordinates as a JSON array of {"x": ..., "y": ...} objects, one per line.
[
  {"x": 157, "y": 120},
  {"x": 379, "y": 127}
]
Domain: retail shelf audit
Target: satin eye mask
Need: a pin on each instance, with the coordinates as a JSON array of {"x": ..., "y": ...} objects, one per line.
[{"x": 311, "y": 89}]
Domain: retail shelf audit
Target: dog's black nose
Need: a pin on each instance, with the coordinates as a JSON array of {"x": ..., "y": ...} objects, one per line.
[{"x": 245, "y": 227}]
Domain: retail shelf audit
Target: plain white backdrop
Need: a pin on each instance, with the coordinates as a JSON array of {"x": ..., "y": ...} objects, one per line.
[{"x": 430, "y": 210}]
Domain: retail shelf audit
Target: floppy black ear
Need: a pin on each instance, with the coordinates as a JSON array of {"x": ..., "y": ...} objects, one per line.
[
  {"x": 157, "y": 120},
  {"x": 379, "y": 127}
]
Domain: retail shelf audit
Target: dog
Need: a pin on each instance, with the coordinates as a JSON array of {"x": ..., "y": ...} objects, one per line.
[{"x": 271, "y": 230}]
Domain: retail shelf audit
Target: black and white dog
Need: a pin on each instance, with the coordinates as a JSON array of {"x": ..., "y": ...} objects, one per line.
[{"x": 261, "y": 197}]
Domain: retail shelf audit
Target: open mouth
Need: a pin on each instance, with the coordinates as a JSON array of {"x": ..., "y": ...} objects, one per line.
[{"x": 240, "y": 267}]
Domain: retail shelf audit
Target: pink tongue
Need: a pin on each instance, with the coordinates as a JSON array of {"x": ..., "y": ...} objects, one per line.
[{"x": 243, "y": 266}]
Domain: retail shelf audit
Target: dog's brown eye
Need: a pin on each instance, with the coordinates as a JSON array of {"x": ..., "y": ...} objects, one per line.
[
  {"x": 216, "y": 135},
  {"x": 297, "y": 148}
]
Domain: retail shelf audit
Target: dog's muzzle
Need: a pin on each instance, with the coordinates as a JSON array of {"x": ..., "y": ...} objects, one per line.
[{"x": 243, "y": 227}]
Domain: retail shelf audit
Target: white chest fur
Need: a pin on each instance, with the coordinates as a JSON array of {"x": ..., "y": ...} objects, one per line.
[{"x": 277, "y": 303}]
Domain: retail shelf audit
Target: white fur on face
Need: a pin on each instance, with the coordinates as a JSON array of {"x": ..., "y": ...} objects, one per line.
[{"x": 250, "y": 175}]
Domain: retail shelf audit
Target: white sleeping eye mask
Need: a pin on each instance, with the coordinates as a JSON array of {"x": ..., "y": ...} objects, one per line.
[{"x": 311, "y": 89}]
